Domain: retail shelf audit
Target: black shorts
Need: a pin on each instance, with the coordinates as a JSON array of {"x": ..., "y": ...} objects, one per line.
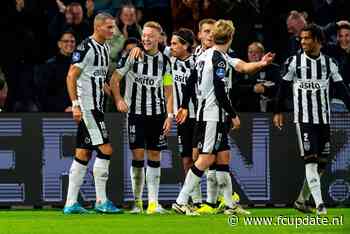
[
  {"x": 185, "y": 135},
  {"x": 314, "y": 139},
  {"x": 212, "y": 137},
  {"x": 146, "y": 132},
  {"x": 92, "y": 130}
]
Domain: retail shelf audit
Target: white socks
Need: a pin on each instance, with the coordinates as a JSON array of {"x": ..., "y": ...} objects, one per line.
[
  {"x": 101, "y": 172},
  {"x": 192, "y": 180},
  {"x": 224, "y": 183},
  {"x": 196, "y": 194},
  {"x": 76, "y": 178},
  {"x": 153, "y": 180},
  {"x": 212, "y": 187},
  {"x": 313, "y": 180},
  {"x": 137, "y": 174},
  {"x": 305, "y": 193}
]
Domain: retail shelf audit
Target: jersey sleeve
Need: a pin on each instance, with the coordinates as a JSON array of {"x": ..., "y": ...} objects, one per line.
[
  {"x": 233, "y": 61},
  {"x": 167, "y": 77},
  {"x": 82, "y": 56},
  {"x": 289, "y": 69},
  {"x": 335, "y": 71},
  {"x": 219, "y": 72},
  {"x": 125, "y": 66}
]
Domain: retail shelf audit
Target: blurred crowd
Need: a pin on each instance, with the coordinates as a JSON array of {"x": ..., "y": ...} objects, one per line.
[{"x": 39, "y": 37}]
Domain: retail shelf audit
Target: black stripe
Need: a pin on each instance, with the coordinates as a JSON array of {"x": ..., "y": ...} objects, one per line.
[
  {"x": 143, "y": 100},
  {"x": 165, "y": 63},
  {"x": 328, "y": 68},
  {"x": 155, "y": 65},
  {"x": 309, "y": 106},
  {"x": 93, "y": 85},
  {"x": 319, "y": 106},
  {"x": 220, "y": 113},
  {"x": 145, "y": 65},
  {"x": 308, "y": 69},
  {"x": 95, "y": 52},
  {"x": 327, "y": 107},
  {"x": 101, "y": 93},
  {"x": 300, "y": 104},
  {"x": 319, "y": 70},
  {"x": 133, "y": 98},
  {"x": 105, "y": 51},
  {"x": 177, "y": 94},
  {"x": 101, "y": 56},
  {"x": 135, "y": 66},
  {"x": 162, "y": 102},
  {"x": 153, "y": 98},
  {"x": 201, "y": 111},
  {"x": 188, "y": 64},
  {"x": 298, "y": 66}
]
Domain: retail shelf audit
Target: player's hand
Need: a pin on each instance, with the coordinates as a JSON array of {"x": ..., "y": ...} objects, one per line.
[
  {"x": 181, "y": 116},
  {"x": 107, "y": 89},
  {"x": 77, "y": 115},
  {"x": 236, "y": 123},
  {"x": 268, "y": 58},
  {"x": 167, "y": 125},
  {"x": 68, "y": 109},
  {"x": 122, "y": 106},
  {"x": 259, "y": 88},
  {"x": 278, "y": 121},
  {"x": 136, "y": 53}
]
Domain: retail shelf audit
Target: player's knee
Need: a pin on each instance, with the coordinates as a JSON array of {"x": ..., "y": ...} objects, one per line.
[
  {"x": 153, "y": 155},
  {"x": 83, "y": 154},
  {"x": 187, "y": 163},
  {"x": 103, "y": 155},
  {"x": 310, "y": 159},
  {"x": 105, "y": 149}
]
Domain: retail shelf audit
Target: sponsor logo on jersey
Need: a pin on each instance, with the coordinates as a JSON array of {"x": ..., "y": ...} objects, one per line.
[
  {"x": 220, "y": 72},
  {"x": 179, "y": 78},
  {"x": 310, "y": 85},
  {"x": 144, "y": 80}
]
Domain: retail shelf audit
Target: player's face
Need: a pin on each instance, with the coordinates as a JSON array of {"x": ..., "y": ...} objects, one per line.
[
  {"x": 177, "y": 49},
  {"x": 150, "y": 38},
  {"x": 254, "y": 53},
  {"x": 206, "y": 35},
  {"x": 308, "y": 43},
  {"x": 343, "y": 38},
  {"x": 106, "y": 29},
  {"x": 67, "y": 44}
]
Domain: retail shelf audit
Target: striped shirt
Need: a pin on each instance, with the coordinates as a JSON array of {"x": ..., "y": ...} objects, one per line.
[
  {"x": 311, "y": 77},
  {"x": 144, "y": 90},
  {"x": 93, "y": 60},
  {"x": 213, "y": 70},
  {"x": 181, "y": 70}
]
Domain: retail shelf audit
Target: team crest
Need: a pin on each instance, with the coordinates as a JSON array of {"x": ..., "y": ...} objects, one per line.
[
  {"x": 76, "y": 56},
  {"x": 307, "y": 145},
  {"x": 87, "y": 140}
]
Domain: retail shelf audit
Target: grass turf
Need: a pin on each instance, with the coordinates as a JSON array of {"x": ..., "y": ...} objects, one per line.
[{"x": 53, "y": 221}]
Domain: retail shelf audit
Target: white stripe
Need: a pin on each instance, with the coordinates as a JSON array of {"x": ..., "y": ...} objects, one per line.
[
  {"x": 300, "y": 142},
  {"x": 315, "y": 105},
  {"x": 296, "y": 98},
  {"x": 94, "y": 131},
  {"x": 138, "y": 99},
  {"x": 304, "y": 105},
  {"x": 209, "y": 136}
]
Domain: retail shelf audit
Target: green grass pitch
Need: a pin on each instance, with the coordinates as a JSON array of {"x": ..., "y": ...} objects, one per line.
[{"x": 53, "y": 221}]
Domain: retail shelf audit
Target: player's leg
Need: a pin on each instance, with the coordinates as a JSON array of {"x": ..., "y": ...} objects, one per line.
[
  {"x": 78, "y": 170},
  {"x": 155, "y": 142},
  {"x": 77, "y": 173},
  {"x": 137, "y": 172},
  {"x": 207, "y": 135},
  {"x": 308, "y": 141}
]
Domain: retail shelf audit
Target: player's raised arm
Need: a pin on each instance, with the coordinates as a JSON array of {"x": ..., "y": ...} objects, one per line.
[{"x": 252, "y": 67}]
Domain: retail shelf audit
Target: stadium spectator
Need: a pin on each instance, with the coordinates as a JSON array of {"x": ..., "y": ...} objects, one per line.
[
  {"x": 72, "y": 19},
  {"x": 341, "y": 53},
  {"x": 3, "y": 91},
  {"x": 127, "y": 21},
  {"x": 50, "y": 77},
  {"x": 255, "y": 92},
  {"x": 116, "y": 44}
]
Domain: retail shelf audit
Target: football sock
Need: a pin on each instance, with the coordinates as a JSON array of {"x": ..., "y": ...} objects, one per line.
[{"x": 137, "y": 174}]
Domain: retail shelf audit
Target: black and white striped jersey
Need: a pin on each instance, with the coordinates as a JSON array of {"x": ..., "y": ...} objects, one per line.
[
  {"x": 311, "y": 77},
  {"x": 181, "y": 70},
  {"x": 93, "y": 60},
  {"x": 213, "y": 84},
  {"x": 198, "y": 51},
  {"x": 145, "y": 81}
]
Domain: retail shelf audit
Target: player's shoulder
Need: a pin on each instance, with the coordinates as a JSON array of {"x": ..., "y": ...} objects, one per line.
[
  {"x": 81, "y": 51},
  {"x": 218, "y": 59}
]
